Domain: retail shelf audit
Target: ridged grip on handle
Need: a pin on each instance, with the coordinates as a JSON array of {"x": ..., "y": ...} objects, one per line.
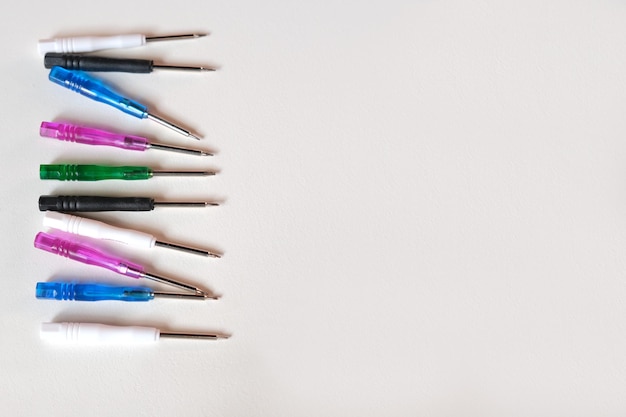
[
  {"x": 94, "y": 89},
  {"x": 74, "y": 291},
  {"x": 97, "y": 63},
  {"x": 89, "y": 136},
  {"x": 94, "y": 333},
  {"x": 80, "y": 44},
  {"x": 97, "y": 230},
  {"x": 70, "y": 203},
  {"x": 72, "y": 172},
  {"x": 87, "y": 255}
]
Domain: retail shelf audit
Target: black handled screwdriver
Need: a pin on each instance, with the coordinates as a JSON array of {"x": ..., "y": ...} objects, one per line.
[
  {"x": 105, "y": 64},
  {"x": 69, "y": 203}
]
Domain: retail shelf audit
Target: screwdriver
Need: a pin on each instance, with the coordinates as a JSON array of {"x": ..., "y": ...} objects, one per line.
[
  {"x": 96, "y": 90},
  {"x": 80, "y": 44},
  {"x": 89, "y": 255},
  {"x": 106, "y": 64},
  {"x": 96, "y": 333},
  {"x": 99, "y": 230},
  {"x": 72, "y": 172},
  {"x": 74, "y": 291},
  {"x": 90, "y": 136},
  {"x": 71, "y": 203}
]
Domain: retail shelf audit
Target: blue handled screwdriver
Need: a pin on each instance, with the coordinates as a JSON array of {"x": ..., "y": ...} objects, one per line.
[
  {"x": 75, "y": 291},
  {"x": 97, "y": 90}
]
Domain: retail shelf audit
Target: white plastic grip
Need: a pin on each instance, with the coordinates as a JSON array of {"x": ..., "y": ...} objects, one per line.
[
  {"x": 89, "y": 43},
  {"x": 94, "y": 333},
  {"x": 97, "y": 230}
]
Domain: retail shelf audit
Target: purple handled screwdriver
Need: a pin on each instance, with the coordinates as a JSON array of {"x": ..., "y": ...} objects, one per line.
[
  {"x": 88, "y": 255},
  {"x": 90, "y": 136}
]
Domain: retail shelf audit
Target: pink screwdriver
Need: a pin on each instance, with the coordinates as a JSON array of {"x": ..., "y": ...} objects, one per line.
[
  {"x": 90, "y": 136},
  {"x": 89, "y": 255}
]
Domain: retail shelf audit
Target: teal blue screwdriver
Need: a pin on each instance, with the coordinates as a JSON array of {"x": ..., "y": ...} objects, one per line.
[
  {"x": 95, "y": 89},
  {"x": 98, "y": 292}
]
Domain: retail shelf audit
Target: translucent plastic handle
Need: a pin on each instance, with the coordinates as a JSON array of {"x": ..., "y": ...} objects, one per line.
[
  {"x": 94, "y": 333},
  {"x": 97, "y": 230},
  {"x": 89, "y": 136},
  {"x": 96, "y": 90},
  {"x": 90, "y": 292},
  {"x": 89, "y": 43},
  {"x": 72, "y": 172},
  {"x": 87, "y": 255}
]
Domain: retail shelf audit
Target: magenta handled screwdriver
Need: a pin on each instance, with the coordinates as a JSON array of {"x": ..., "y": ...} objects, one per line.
[
  {"x": 89, "y": 255},
  {"x": 90, "y": 136}
]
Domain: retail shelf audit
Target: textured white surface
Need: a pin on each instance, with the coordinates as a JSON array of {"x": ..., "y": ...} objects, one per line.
[{"x": 424, "y": 210}]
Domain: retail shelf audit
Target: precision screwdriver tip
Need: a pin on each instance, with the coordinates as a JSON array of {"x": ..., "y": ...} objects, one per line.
[{"x": 191, "y": 135}]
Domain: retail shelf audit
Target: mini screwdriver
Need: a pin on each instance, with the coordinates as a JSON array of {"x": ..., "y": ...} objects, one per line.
[
  {"x": 75, "y": 291},
  {"x": 90, "y": 136},
  {"x": 96, "y": 90},
  {"x": 72, "y": 172},
  {"x": 96, "y": 333},
  {"x": 96, "y": 203},
  {"x": 105, "y": 64},
  {"x": 80, "y": 44},
  {"x": 91, "y": 256},
  {"x": 99, "y": 230}
]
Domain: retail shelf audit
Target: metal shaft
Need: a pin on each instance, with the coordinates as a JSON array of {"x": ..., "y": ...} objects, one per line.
[
  {"x": 177, "y": 149},
  {"x": 172, "y": 126},
  {"x": 181, "y": 68},
  {"x": 187, "y": 249},
  {"x": 181, "y": 335},
  {"x": 184, "y": 203},
  {"x": 182, "y": 173},
  {"x": 175, "y": 283},
  {"x": 174, "y": 37},
  {"x": 197, "y": 296}
]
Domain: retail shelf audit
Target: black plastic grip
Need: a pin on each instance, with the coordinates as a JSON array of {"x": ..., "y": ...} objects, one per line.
[
  {"x": 70, "y": 203},
  {"x": 97, "y": 63}
]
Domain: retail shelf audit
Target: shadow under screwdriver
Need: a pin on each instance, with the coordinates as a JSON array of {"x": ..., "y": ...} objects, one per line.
[
  {"x": 105, "y": 64},
  {"x": 86, "y": 203}
]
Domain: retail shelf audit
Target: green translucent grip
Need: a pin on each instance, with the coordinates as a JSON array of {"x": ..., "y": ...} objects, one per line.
[{"x": 70, "y": 172}]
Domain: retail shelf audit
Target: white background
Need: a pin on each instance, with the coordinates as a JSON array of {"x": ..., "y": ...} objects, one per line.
[{"x": 424, "y": 210}]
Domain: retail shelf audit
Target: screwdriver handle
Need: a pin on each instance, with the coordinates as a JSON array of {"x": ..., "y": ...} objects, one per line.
[
  {"x": 96, "y": 230},
  {"x": 95, "y": 333},
  {"x": 90, "y": 203},
  {"x": 80, "y": 44},
  {"x": 73, "y": 291},
  {"x": 89, "y": 136},
  {"x": 87, "y": 255},
  {"x": 71, "y": 172},
  {"x": 97, "y": 63},
  {"x": 96, "y": 90}
]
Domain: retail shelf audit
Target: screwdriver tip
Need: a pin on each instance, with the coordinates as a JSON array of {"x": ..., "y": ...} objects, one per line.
[{"x": 192, "y": 136}]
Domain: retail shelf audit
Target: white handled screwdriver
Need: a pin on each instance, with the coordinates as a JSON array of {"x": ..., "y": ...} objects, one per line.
[
  {"x": 99, "y": 230},
  {"x": 80, "y": 44},
  {"x": 100, "y": 334}
]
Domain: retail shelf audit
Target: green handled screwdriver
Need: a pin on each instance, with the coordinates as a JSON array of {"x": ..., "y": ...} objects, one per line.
[{"x": 72, "y": 172}]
